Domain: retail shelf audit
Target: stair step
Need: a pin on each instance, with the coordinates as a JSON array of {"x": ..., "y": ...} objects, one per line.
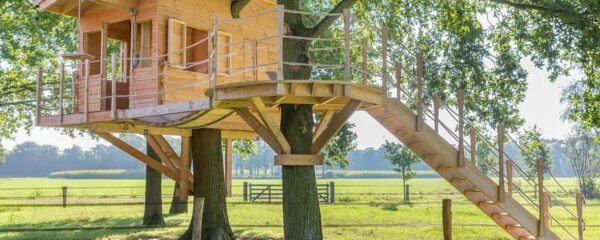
[
  {"x": 486, "y": 203},
  {"x": 461, "y": 184},
  {"x": 387, "y": 118},
  {"x": 415, "y": 144},
  {"x": 475, "y": 195},
  {"x": 528, "y": 237},
  {"x": 517, "y": 229},
  {"x": 430, "y": 157},
  {"x": 503, "y": 218}
]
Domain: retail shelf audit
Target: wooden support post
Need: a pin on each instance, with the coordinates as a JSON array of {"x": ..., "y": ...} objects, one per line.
[
  {"x": 542, "y": 210},
  {"x": 509, "y": 177},
  {"x": 580, "y": 223},
  {"x": 447, "y": 218},
  {"x": 399, "y": 81},
  {"x": 64, "y": 196},
  {"x": 365, "y": 61},
  {"x": 268, "y": 121},
  {"x": 215, "y": 44},
  {"x": 419, "y": 100},
  {"x": 280, "y": 34},
  {"x": 436, "y": 112},
  {"x": 347, "y": 66},
  {"x": 86, "y": 90},
  {"x": 228, "y": 166},
  {"x": 185, "y": 165},
  {"x": 197, "y": 218},
  {"x": 254, "y": 47},
  {"x": 501, "y": 191},
  {"x": 384, "y": 64},
  {"x": 461, "y": 128},
  {"x": 61, "y": 93},
  {"x": 331, "y": 192},
  {"x": 546, "y": 206},
  {"x": 38, "y": 95},
  {"x": 113, "y": 97},
  {"x": 473, "y": 144}
]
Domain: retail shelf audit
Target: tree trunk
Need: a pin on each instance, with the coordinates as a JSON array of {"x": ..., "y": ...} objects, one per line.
[
  {"x": 209, "y": 183},
  {"x": 153, "y": 215},
  {"x": 178, "y": 206}
]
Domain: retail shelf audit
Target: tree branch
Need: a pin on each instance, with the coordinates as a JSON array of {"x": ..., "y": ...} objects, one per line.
[
  {"x": 237, "y": 6},
  {"x": 544, "y": 9},
  {"x": 329, "y": 20}
]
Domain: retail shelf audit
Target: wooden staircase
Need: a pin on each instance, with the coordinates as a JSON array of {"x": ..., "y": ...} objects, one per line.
[{"x": 469, "y": 180}]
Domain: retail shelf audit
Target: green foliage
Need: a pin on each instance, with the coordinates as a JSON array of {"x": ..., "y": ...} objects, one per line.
[
  {"x": 584, "y": 156},
  {"x": 337, "y": 150},
  {"x": 402, "y": 158},
  {"x": 2, "y": 157},
  {"x": 244, "y": 148},
  {"x": 532, "y": 149}
]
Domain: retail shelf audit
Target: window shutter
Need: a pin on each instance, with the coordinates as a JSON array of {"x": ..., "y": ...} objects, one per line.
[{"x": 176, "y": 43}]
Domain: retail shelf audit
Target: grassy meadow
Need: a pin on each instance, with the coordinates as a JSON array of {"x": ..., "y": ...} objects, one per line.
[{"x": 364, "y": 209}]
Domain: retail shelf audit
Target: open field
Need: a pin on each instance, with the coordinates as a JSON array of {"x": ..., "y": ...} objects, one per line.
[{"x": 364, "y": 209}]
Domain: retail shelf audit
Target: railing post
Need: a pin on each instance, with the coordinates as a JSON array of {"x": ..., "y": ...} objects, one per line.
[
  {"x": 546, "y": 206},
  {"x": 86, "y": 90},
  {"x": 347, "y": 69},
  {"x": 509, "y": 177},
  {"x": 436, "y": 112},
  {"x": 447, "y": 218},
  {"x": 473, "y": 141},
  {"x": 280, "y": 32},
  {"x": 38, "y": 95},
  {"x": 61, "y": 92},
  {"x": 365, "y": 61},
  {"x": 461, "y": 128},
  {"x": 113, "y": 98},
  {"x": 419, "y": 101},
  {"x": 215, "y": 48},
  {"x": 501, "y": 191},
  {"x": 331, "y": 192},
  {"x": 399, "y": 81},
  {"x": 580, "y": 223},
  {"x": 64, "y": 196},
  {"x": 384, "y": 65},
  {"x": 254, "y": 60},
  {"x": 245, "y": 191},
  {"x": 543, "y": 210}
]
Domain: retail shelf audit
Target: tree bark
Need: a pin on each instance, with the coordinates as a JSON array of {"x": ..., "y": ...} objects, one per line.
[
  {"x": 153, "y": 214},
  {"x": 178, "y": 206},
  {"x": 209, "y": 183}
]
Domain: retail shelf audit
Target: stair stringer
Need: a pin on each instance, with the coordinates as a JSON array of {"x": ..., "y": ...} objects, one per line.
[{"x": 442, "y": 157}]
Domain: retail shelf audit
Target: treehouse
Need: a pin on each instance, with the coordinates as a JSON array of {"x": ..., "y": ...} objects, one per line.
[{"x": 164, "y": 67}]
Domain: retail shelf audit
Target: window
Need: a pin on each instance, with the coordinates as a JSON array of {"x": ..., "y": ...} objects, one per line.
[
  {"x": 196, "y": 52},
  {"x": 176, "y": 43},
  {"x": 143, "y": 45},
  {"x": 92, "y": 45}
]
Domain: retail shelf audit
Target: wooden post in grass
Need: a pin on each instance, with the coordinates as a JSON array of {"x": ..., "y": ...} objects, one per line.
[
  {"x": 501, "y": 191},
  {"x": 245, "y": 191},
  {"x": 407, "y": 193},
  {"x": 331, "y": 192},
  {"x": 580, "y": 224},
  {"x": 197, "y": 221},
  {"x": 64, "y": 196},
  {"x": 447, "y": 218}
]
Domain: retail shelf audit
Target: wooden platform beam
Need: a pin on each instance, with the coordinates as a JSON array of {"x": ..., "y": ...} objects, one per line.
[
  {"x": 138, "y": 129},
  {"x": 298, "y": 160},
  {"x": 335, "y": 126}
]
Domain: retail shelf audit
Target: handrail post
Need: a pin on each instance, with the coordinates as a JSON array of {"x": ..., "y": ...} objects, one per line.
[
  {"x": 384, "y": 65},
  {"x": 280, "y": 33},
  {"x": 365, "y": 61},
  {"x": 473, "y": 138},
  {"x": 38, "y": 95},
  {"x": 215, "y": 48},
  {"x": 399, "y": 81},
  {"x": 254, "y": 60},
  {"x": 509, "y": 177},
  {"x": 580, "y": 223},
  {"x": 419, "y": 101},
  {"x": 347, "y": 69},
  {"x": 461, "y": 128},
  {"x": 86, "y": 89},
  {"x": 113, "y": 97},
  {"x": 61, "y": 92},
  {"x": 542, "y": 209},
  {"x": 436, "y": 112},
  {"x": 501, "y": 191}
]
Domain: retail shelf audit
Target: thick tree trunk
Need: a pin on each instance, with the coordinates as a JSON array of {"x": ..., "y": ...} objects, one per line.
[
  {"x": 153, "y": 215},
  {"x": 209, "y": 183}
]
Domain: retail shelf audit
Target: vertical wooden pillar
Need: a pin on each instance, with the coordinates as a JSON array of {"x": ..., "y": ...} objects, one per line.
[
  {"x": 254, "y": 47},
  {"x": 543, "y": 211},
  {"x": 280, "y": 33},
  {"x": 228, "y": 166},
  {"x": 384, "y": 54},
  {"x": 461, "y": 128},
  {"x": 473, "y": 141},
  {"x": 419, "y": 99},
  {"x": 580, "y": 223},
  {"x": 38, "y": 95},
  {"x": 436, "y": 112},
  {"x": 501, "y": 191},
  {"x": 61, "y": 93},
  {"x": 215, "y": 47},
  {"x": 347, "y": 69},
  {"x": 197, "y": 218},
  {"x": 331, "y": 192},
  {"x": 64, "y": 196},
  {"x": 113, "y": 97},
  {"x": 185, "y": 165},
  {"x": 86, "y": 90},
  {"x": 447, "y": 218},
  {"x": 399, "y": 81},
  {"x": 509, "y": 177},
  {"x": 365, "y": 61}
]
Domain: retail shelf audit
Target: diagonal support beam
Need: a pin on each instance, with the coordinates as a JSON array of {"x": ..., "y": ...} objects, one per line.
[
  {"x": 171, "y": 154},
  {"x": 160, "y": 152},
  {"x": 269, "y": 123},
  {"x": 261, "y": 130},
  {"x": 335, "y": 125},
  {"x": 323, "y": 122},
  {"x": 142, "y": 157}
]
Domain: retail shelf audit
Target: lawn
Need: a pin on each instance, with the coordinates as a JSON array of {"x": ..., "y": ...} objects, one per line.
[{"x": 364, "y": 209}]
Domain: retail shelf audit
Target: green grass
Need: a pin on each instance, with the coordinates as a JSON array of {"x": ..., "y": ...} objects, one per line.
[{"x": 359, "y": 202}]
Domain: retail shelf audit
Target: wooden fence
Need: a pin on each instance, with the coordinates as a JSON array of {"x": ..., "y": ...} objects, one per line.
[{"x": 274, "y": 192}]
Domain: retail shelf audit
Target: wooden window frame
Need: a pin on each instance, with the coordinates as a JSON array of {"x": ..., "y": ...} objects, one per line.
[{"x": 170, "y": 40}]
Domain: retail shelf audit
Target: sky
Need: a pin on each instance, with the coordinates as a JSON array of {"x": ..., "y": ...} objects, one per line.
[{"x": 541, "y": 107}]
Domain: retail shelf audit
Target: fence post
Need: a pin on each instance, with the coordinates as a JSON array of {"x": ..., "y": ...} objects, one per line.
[
  {"x": 501, "y": 191},
  {"x": 249, "y": 192},
  {"x": 509, "y": 176},
  {"x": 473, "y": 140},
  {"x": 254, "y": 60},
  {"x": 399, "y": 81},
  {"x": 580, "y": 223},
  {"x": 269, "y": 193},
  {"x": 86, "y": 90},
  {"x": 419, "y": 101},
  {"x": 543, "y": 210},
  {"x": 64, "y": 196},
  {"x": 365, "y": 61},
  {"x": 197, "y": 217},
  {"x": 384, "y": 65},
  {"x": 245, "y": 191},
  {"x": 347, "y": 69},
  {"x": 327, "y": 192},
  {"x": 331, "y": 192},
  {"x": 38, "y": 95},
  {"x": 113, "y": 98},
  {"x": 436, "y": 112},
  {"x": 461, "y": 128},
  {"x": 280, "y": 32},
  {"x": 447, "y": 218},
  {"x": 61, "y": 92}
]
